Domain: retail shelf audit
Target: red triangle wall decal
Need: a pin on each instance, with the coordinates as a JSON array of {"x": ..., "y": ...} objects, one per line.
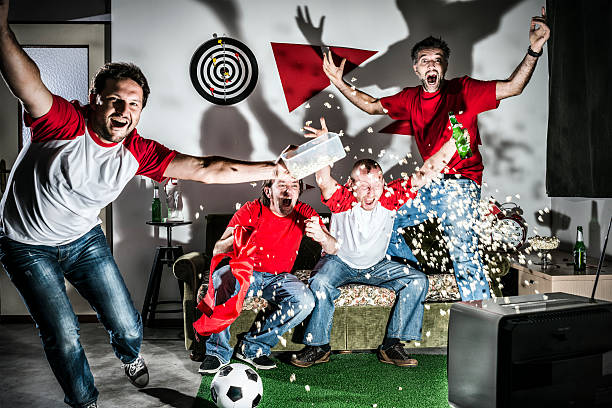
[{"x": 300, "y": 68}]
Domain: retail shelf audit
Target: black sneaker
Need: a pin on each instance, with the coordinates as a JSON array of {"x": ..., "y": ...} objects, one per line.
[
  {"x": 210, "y": 365},
  {"x": 137, "y": 372},
  {"x": 396, "y": 355},
  {"x": 92, "y": 405},
  {"x": 310, "y": 355},
  {"x": 261, "y": 362}
]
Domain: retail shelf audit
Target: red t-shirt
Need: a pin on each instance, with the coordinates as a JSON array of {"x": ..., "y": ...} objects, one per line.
[
  {"x": 277, "y": 238},
  {"x": 426, "y": 115}
]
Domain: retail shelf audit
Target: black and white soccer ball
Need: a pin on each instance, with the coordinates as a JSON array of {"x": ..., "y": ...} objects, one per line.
[{"x": 236, "y": 386}]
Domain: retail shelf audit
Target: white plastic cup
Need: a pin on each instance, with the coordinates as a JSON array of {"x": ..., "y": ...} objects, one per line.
[{"x": 314, "y": 155}]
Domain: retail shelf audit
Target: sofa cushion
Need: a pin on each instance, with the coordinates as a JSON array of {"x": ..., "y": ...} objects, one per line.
[{"x": 442, "y": 288}]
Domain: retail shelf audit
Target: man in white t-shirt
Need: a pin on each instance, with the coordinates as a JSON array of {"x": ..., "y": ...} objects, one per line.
[
  {"x": 78, "y": 161},
  {"x": 363, "y": 211}
]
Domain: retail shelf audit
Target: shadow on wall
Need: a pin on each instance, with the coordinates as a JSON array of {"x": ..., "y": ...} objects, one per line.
[{"x": 394, "y": 67}]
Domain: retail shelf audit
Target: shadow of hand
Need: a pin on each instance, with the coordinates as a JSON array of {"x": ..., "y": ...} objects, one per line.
[{"x": 314, "y": 35}]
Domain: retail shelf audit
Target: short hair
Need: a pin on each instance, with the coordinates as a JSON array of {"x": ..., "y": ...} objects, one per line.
[
  {"x": 268, "y": 183},
  {"x": 117, "y": 71},
  {"x": 368, "y": 164},
  {"x": 428, "y": 43}
]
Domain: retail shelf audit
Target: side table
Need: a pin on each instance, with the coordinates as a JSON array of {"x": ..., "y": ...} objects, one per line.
[
  {"x": 164, "y": 255},
  {"x": 560, "y": 277}
]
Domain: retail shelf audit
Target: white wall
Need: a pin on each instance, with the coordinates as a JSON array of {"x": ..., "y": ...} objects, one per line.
[{"x": 487, "y": 39}]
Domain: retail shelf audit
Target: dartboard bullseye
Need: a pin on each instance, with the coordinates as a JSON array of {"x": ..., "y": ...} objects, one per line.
[{"x": 224, "y": 71}]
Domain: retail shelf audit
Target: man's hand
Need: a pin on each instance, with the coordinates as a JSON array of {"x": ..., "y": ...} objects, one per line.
[
  {"x": 281, "y": 171},
  {"x": 314, "y": 132},
  {"x": 333, "y": 72},
  {"x": 312, "y": 34},
  {"x": 314, "y": 230},
  {"x": 320, "y": 234},
  {"x": 539, "y": 32}
]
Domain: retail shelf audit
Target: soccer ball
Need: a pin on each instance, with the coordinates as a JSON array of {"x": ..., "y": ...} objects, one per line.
[{"x": 236, "y": 386}]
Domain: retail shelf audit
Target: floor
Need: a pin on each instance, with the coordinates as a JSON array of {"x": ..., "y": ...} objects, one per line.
[{"x": 27, "y": 381}]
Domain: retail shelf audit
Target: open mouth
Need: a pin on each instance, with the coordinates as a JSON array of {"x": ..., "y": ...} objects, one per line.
[
  {"x": 118, "y": 123},
  {"x": 286, "y": 202},
  {"x": 431, "y": 78}
]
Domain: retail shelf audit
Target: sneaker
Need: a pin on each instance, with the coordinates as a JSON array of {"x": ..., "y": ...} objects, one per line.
[
  {"x": 310, "y": 355},
  {"x": 261, "y": 362},
  {"x": 396, "y": 355},
  {"x": 210, "y": 365},
  {"x": 92, "y": 405},
  {"x": 137, "y": 372}
]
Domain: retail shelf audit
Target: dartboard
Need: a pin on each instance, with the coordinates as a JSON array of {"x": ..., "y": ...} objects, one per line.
[{"x": 224, "y": 71}]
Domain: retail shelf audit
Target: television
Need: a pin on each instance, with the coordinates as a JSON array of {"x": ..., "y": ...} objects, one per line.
[{"x": 551, "y": 350}]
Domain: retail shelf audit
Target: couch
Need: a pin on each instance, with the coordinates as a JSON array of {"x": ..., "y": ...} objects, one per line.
[{"x": 361, "y": 311}]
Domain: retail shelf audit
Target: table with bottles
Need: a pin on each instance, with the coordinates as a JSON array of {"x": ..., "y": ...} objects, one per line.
[{"x": 560, "y": 275}]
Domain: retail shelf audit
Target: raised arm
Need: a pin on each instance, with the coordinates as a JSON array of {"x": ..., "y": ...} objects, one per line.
[
  {"x": 323, "y": 177},
  {"x": 538, "y": 35},
  {"x": 19, "y": 71},
  {"x": 360, "y": 99},
  {"x": 222, "y": 170}
]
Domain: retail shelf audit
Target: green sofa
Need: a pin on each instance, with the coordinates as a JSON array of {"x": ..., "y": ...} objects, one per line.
[{"x": 361, "y": 313}]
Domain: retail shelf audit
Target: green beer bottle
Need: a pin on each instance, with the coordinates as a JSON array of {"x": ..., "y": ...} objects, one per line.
[
  {"x": 579, "y": 252},
  {"x": 156, "y": 206},
  {"x": 461, "y": 136}
]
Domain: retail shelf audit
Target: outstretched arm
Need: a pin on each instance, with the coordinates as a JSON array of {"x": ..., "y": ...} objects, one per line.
[
  {"x": 538, "y": 35},
  {"x": 19, "y": 71},
  {"x": 360, "y": 99},
  {"x": 222, "y": 170},
  {"x": 325, "y": 181}
]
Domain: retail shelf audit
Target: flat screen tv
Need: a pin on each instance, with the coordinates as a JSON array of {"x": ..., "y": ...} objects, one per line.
[{"x": 552, "y": 350}]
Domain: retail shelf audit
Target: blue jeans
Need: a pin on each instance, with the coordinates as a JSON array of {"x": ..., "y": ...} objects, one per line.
[
  {"x": 292, "y": 300},
  {"x": 410, "y": 287},
  {"x": 455, "y": 203},
  {"x": 39, "y": 271}
]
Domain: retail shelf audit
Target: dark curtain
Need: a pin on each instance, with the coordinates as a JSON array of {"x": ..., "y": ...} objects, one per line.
[{"x": 579, "y": 148}]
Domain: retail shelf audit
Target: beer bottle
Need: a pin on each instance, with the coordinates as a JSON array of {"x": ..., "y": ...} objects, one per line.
[
  {"x": 156, "y": 206},
  {"x": 579, "y": 252},
  {"x": 461, "y": 136}
]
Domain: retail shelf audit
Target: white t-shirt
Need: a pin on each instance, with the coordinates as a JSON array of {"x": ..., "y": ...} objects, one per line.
[
  {"x": 65, "y": 176},
  {"x": 363, "y": 236}
]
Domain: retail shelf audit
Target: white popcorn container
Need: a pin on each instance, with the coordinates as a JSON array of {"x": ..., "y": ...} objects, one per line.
[{"x": 314, "y": 155}]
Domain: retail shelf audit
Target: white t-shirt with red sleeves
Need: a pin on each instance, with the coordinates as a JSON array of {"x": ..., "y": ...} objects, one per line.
[
  {"x": 64, "y": 176},
  {"x": 363, "y": 236}
]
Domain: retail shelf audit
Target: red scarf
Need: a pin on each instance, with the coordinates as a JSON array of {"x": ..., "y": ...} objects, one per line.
[{"x": 216, "y": 318}]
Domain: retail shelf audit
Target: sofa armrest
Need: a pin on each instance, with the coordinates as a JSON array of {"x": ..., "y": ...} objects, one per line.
[{"x": 190, "y": 269}]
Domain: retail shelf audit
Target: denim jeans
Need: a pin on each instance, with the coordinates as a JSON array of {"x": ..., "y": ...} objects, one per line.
[
  {"x": 455, "y": 203},
  {"x": 410, "y": 287},
  {"x": 39, "y": 271},
  {"x": 292, "y": 300}
]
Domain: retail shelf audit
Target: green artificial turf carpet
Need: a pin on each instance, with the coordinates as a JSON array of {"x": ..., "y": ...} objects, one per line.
[{"x": 351, "y": 381}]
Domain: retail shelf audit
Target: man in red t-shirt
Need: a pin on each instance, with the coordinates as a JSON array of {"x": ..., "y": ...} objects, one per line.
[
  {"x": 424, "y": 111},
  {"x": 278, "y": 222}
]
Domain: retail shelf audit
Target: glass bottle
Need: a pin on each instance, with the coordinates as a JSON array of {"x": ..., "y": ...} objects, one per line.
[
  {"x": 156, "y": 206},
  {"x": 461, "y": 136},
  {"x": 579, "y": 252}
]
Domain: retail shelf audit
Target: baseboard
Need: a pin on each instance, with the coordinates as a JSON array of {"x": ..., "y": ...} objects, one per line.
[{"x": 8, "y": 319}]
